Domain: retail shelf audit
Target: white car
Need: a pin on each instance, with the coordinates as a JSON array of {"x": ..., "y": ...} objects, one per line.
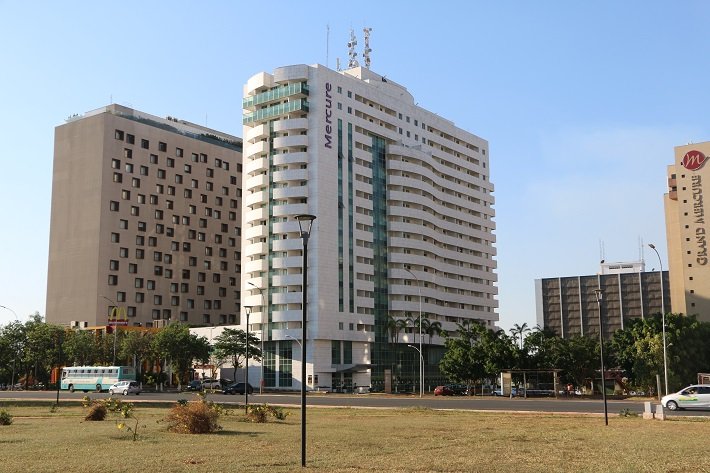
[
  {"x": 125, "y": 388},
  {"x": 696, "y": 395},
  {"x": 211, "y": 384}
]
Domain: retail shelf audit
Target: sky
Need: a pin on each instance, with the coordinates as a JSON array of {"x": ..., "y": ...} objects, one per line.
[{"x": 582, "y": 104}]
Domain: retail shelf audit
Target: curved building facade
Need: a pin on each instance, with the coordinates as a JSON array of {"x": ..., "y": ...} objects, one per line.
[{"x": 404, "y": 228}]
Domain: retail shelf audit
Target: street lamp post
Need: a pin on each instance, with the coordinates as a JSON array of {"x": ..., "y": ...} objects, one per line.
[
  {"x": 247, "y": 309},
  {"x": 263, "y": 333},
  {"x": 421, "y": 356},
  {"x": 14, "y": 361},
  {"x": 600, "y": 296},
  {"x": 114, "y": 331},
  {"x": 663, "y": 319},
  {"x": 305, "y": 223},
  {"x": 421, "y": 360}
]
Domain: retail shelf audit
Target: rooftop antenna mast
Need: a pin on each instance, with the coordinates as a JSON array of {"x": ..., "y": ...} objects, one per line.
[
  {"x": 601, "y": 250},
  {"x": 351, "y": 51},
  {"x": 367, "y": 51},
  {"x": 327, "y": 44}
]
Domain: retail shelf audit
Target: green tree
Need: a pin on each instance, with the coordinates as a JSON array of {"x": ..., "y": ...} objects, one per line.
[
  {"x": 80, "y": 347},
  {"x": 179, "y": 347},
  {"x": 41, "y": 349},
  {"x": 13, "y": 339},
  {"x": 638, "y": 349},
  {"x": 464, "y": 358},
  {"x": 136, "y": 345},
  {"x": 231, "y": 344}
]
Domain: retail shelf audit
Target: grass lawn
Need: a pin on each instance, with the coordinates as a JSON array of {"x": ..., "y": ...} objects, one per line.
[{"x": 354, "y": 440}]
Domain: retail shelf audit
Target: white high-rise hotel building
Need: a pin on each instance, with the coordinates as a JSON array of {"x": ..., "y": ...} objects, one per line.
[{"x": 404, "y": 227}]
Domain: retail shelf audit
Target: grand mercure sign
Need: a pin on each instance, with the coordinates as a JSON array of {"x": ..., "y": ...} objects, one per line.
[{"x": 693, "y": 160}]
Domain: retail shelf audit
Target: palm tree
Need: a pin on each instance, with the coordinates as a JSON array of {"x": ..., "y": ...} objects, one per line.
[
  {"x": 519, "y": 331},
  {"x": 433, "y": 328},
  {"x": 402, "y": 325},
  {"x": 392, "y": 329}
]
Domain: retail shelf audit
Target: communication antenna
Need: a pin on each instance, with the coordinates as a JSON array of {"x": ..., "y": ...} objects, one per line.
[
  {"x": 367, "y": 51},
  {"x": 601, "y": 250},
  {"x": 327, "y": 43},
  {"x": 351, "y": 51}
]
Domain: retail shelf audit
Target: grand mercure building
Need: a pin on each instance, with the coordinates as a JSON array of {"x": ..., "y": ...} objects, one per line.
[
  {"x": 404, "y": 227},
  {"x": 146, "y": 217},
  {"x": 688, "y": 230}
]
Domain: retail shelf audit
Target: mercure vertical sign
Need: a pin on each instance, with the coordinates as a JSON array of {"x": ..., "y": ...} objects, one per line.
[
  {"x": 328, "y": 116},
  {"x": 693, "y": 161}
]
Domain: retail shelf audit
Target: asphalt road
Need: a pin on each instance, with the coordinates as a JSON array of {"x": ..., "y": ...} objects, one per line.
[{"x": 486, "y": 403}]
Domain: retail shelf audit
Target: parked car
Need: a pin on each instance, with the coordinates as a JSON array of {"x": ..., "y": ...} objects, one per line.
[
  {"x": 237, "y": 388},
  {"x": 693, "y": 396},
  {"x": 125, "y": 388},
  {"x": 194, "y": 385},
  {"x": 459, "y": 389},
  {"x": 209, "y": 383}
]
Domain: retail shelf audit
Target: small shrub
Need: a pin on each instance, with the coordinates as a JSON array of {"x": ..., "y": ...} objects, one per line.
[
  {"x": 5, "y": 417},
  {"x": 97, "y": 412},
  {"x": 86, "y": 401},
  {"x": 259, "y": 413},
  {"x": 182, "y": 402},
  {"x": 193, "y": 418}
]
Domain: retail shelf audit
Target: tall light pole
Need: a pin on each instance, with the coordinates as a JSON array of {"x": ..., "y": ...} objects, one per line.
[
  {"x": 663, "y": 319},
  {"x": 421, "y": 360},
  {"x": 114, "y": 332},
  {"x": 12, "y": 382},
  {"x": 421, "y": 356},
  {"x": 305, "y": 223},
  {"x": 247, "y": 309},
  {"x": 600, "y": 296},
  {"x": 263, "y": 333}
]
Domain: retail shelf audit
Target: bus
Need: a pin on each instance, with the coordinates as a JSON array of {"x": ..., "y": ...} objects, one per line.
[{"x": 95, "y": 378}]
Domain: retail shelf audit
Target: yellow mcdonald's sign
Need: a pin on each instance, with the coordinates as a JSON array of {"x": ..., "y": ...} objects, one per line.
[{"x": 118, "y": 316}]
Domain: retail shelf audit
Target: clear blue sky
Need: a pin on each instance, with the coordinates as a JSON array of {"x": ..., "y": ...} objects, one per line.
[{"x": 581, "y": 102}]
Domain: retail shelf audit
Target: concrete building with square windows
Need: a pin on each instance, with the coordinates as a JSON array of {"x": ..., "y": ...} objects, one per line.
[
  {"x": 687, "y": 230},
  {"x": 146, "y": 217},
  {"x": 404, "y": 227}
]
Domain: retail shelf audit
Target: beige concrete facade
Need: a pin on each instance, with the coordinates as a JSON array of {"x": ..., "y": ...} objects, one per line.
[
  {"x": 145, "y": 216},
  {"x": 687, "y": 230}
]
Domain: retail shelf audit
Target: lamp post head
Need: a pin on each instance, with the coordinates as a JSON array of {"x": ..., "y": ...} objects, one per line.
[
  {"x": 652, "y": 246},
  {"x": 599, "y": 294},
  {"x": 305, "y": 222},
  {"x": 247, "y": 309}
]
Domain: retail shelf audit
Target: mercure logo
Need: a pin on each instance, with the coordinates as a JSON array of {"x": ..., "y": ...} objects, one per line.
[{"x": 693, "y": 160}]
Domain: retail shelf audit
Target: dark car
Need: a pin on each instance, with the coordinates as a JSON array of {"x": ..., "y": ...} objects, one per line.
[
  {"x": 451, "y": 390},
  {"x": 237, "y": 388},
  {"x": 194, "y": 385},
  {"x": 458, "y": 389}
]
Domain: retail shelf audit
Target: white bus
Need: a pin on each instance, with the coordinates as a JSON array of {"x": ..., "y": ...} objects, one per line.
[{"x": 95, "y": 378}]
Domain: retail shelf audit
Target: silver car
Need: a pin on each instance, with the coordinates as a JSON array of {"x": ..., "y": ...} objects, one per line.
[
  {"x": 125, "y": 388},
  {"x": 694, "y": 396}
]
